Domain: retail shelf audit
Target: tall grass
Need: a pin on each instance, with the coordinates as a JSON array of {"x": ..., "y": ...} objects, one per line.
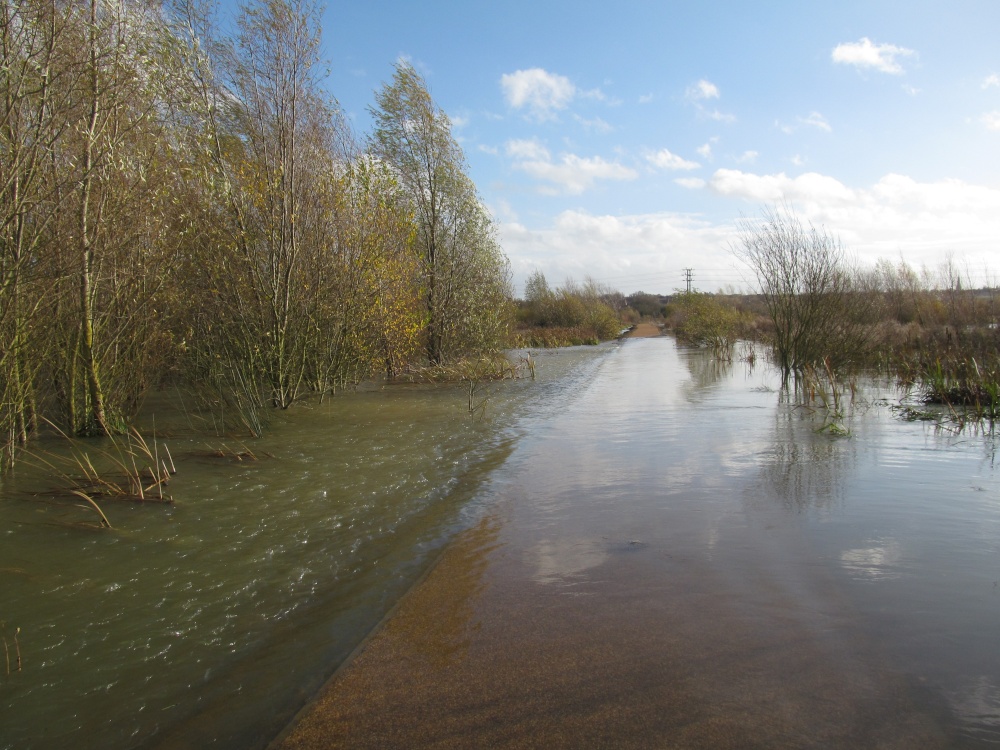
[{"x": 127, "y": 468}]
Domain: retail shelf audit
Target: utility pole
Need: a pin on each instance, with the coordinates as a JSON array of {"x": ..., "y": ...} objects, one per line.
[{"x": 688, "y": 275}]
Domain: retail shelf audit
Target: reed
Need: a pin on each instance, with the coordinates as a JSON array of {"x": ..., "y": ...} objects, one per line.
[
  {"x": 240, "y": 453},
  {"x": 824, "y": 391},
  {"x": 125, "y": 469}
]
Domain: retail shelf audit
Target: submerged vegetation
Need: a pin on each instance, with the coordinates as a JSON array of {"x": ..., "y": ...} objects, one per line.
[
  {"x": 824, "y": 320},
  {"x": 179, "y": 205}
]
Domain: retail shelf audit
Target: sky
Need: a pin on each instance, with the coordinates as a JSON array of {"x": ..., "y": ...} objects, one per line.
[{"x": 624, "y": 141}]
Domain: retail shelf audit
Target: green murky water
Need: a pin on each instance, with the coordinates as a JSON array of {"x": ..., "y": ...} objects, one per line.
[{"x": 209, "y": 622}]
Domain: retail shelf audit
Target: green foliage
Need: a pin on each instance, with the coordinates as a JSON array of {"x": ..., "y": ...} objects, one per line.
[
  {"x": 570, "y": 315},
  {"x": 647, "y": 305},
  {"x": 704, "y": 319},
  {"x": 465, "y": 276}
]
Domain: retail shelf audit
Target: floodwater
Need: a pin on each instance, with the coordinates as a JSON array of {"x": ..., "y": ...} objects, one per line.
[
  {"x": 680, "y": 558},
  {"x": 660, "y": 550}
]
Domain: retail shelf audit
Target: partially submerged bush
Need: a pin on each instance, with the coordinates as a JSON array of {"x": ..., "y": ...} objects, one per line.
[{"x": 704, "y": 319}]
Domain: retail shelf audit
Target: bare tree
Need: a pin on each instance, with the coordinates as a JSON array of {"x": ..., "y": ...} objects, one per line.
[{"x": 818, "y": 310}]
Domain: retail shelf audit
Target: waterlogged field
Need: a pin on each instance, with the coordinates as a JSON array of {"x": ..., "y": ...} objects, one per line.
[{"x": 628, "y": 479}]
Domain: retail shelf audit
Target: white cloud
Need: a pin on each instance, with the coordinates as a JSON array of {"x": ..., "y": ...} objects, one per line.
[
  {"x": 894, "y": 217},
  {"x": 705, "y": 150},
  {"x": 526, "y": 150},
  {"x": 491, "y": 150},
  {"x": 572, "y": 174},
  {"x": 911, "y": 90},
  {"x": 645, "y": 99},
  {"x": 691, "y": 183},
  {"x": 598, "y": 95},
  {"x": 747, "y": 157},
  {"x": 991, "y": 120},
  {"x": 459, "y": 121},
  {"x": 991, "y": 80},
  {"x": 664, "y": 159},
  {"x": 867, "y": 54},
  {"x": 773, "y": 188},
  {"x": 798, "y": 161},
  {"x": 719, "y": 116},
  {"x": 596, "y": 125},
  {"x": 921, "y": 221},
  {"x": 816, "y": 120},
  {"x": 541, "y": 92},
  {"x": 702, "y": 90},
  {"x": 630, "y": 252}
]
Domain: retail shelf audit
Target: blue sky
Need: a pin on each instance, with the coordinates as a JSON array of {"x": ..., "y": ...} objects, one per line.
[{"x": 623, "y": 140}]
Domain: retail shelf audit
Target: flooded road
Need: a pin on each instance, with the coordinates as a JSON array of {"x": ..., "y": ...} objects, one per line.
[
  {"x": 211, "y": 621},
  {"x": 680, "y": 557}
]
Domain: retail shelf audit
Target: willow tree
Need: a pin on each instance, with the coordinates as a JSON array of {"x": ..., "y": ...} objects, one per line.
[
  {"x": 278, "y": 153},
  {"x": 465, "y": 275},
  {"x": 38, "y": 85}
]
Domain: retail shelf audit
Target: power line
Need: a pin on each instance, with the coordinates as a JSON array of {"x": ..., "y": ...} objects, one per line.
[{"x": 688, "y": 274}]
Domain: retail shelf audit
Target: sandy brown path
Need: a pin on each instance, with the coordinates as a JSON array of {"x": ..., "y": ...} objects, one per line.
[
  {"x": 645, "y": 330},
  {"x": 481, "y": 656}
]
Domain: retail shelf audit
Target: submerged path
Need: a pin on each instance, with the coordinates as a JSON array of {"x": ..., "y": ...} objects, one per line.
[{"x": 639, "y": 582}]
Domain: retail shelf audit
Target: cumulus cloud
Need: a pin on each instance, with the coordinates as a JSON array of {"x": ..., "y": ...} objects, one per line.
[
  {"x": 991, "y": 80},
  {"x": 775, "y": 188},
  {"x": 816, "y": 120},
  {"x": 702, "y": 90},
  {"x": 894, "y": 217},
  {"x": 865, "y": 54},
  {"x": 664, "y": 159},
  {"x": 897, "y": 215},
  {"x": 691, "y": 183},
  {"x": 705, "y": 150},
  {"x": 991, "y": 120},
  {"x": 540, "y": 92},
  {"x": 626, "y": 251},
  {"x": 526, "y": 149},
  {"x": 571, "y": 174},
  {"x": 596, "y": 125},
  {"x": 747, "y": 157}
]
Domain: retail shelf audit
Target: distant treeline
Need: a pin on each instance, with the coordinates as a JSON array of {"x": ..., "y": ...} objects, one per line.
[
  {"x": 176, "y": 203},
  {"x": 569, "y": 315},
  {"x": 815, "y": 310}
]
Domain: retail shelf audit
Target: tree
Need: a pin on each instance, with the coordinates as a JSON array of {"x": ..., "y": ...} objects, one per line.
[
  {"x": 274, "y": 140},
  {"x": 817, "y": 310},
  {"x": 466, "y": 279}
]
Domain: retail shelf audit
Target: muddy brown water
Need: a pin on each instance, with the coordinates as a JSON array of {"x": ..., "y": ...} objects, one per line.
[{"x": 660, "y": 550}]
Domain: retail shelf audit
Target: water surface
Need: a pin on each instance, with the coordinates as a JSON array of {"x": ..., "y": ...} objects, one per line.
[
  {"x": 683, "y": 557},
  {"x": 663, "y": 548},
  {"x": 213, "y": 620}
]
